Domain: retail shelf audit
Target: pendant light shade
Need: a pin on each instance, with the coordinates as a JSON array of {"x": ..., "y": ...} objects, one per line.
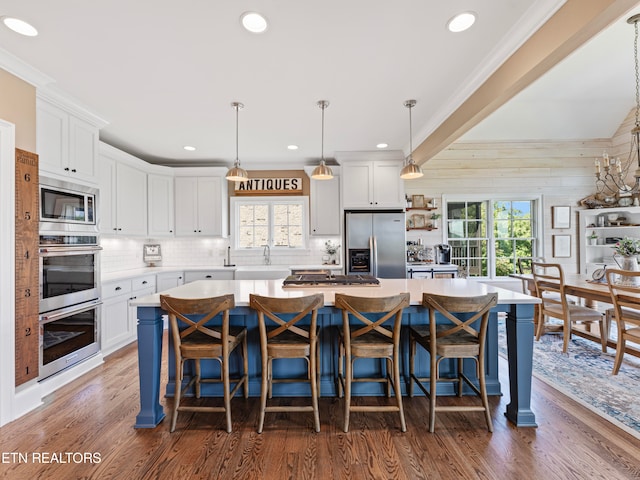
[
  {"x": 322, "y": 171},
  {"x": 410, "y": 169},
  {"x": 237, "y": 173}
]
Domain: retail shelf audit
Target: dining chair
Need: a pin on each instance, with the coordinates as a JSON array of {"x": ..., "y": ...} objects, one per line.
[
  {"x": 286, "y": 338},
  {"x": 624, "y": 287},
  {"x": 460, "y": 334},
  {"x": 194, "y": 338},
  {"x": 365, "y": 335},
  {"x": 550, "y": 288}
]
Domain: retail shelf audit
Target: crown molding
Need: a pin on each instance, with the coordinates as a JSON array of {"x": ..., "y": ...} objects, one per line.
[{"x": 23, "y": 70}]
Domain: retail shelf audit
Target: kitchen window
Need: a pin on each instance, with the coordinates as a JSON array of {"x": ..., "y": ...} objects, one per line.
[
  {"x": 487, "y": 236},
  {"x": 280, "y": 222}
]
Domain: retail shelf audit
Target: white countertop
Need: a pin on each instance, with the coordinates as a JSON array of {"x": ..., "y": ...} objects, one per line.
[
  {"x": 273, "y": 288},
  {"x": 138, "y": 272}
]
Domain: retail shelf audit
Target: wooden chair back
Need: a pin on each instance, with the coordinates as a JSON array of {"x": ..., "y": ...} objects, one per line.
[
  {"x": 524, "y": 264},
  {"x": 372, "y": 313},
  {"x": 274, "y": 308},
  {"x": 549, "y": 282},
  {"x": 461, "y": 312},
  {"x": 181, "y": 309}
]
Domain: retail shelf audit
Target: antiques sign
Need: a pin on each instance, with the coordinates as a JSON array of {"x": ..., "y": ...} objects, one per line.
[{"x": 269, "y": 186}]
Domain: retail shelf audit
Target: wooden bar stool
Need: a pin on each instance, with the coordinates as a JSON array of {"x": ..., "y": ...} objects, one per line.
[
  {"x": 363, "y": 335},
  {"x": 288, "y": 339},
  {"x": 457, "y": 338},
  {"x": 195, "y": 340}
]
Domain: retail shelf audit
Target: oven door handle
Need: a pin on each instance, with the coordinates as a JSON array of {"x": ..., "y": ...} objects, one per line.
[
  {"x": 65, "y": 312},
  {"x": 76, "y": 249}
]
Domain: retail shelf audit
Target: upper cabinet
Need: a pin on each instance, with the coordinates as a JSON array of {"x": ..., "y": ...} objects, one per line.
[
  {"x": 67, "y": 143},
  {"x": 201, "y": 202},
  {"x": 324, "y": 205},
  {"x": 373, "y": 183},
  {"x": 160, "y": 205},
  {"x": 123, "y": 193}
]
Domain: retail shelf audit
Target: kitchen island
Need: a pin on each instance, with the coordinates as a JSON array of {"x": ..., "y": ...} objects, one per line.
[{"x": 519, "y": 326}]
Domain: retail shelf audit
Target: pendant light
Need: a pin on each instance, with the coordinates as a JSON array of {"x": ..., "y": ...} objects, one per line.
[
  {"x": 237, "y": 173},
  {"x": 410, "y": 169},
  {"x": 322, "y": 171}
]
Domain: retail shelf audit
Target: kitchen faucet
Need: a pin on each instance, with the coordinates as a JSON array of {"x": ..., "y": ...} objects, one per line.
[{"x": 266, "y": 253}]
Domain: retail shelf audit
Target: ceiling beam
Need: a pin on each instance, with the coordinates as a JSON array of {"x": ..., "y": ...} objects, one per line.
[{"x": 570, "y": 27}]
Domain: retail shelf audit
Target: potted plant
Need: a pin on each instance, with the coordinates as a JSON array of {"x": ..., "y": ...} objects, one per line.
[
  {"x": 435, "y": 217},
  {"x": 593, "y": 238}
]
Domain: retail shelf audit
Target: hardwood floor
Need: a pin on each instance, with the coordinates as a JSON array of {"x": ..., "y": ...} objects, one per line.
[{"x": 86, "y": 428}]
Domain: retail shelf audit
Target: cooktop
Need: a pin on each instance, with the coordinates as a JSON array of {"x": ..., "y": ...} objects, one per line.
[{"x": 329, "y": 279}]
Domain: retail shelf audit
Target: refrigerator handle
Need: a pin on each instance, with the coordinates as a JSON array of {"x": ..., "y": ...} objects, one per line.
[{"x": 373, "y": 246}]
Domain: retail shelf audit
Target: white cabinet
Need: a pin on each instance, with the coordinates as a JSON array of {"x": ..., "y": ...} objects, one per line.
[
  {"x": 372, "y": 184},
  {"x": 324, "y": 206},
  {"x": 606, "y": 225},
  {"x": 192, "y": 276},
  {"x": 66, "y": 144},
  {"x": 201, "y": 203},
  {"x": 165, "y": 281},
  {"x": 119, "y": 321},
  {"x": 160, "y": 205},
  {"x": 123, "y": 193}
]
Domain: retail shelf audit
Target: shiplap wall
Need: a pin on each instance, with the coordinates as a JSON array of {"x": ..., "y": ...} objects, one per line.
[{"x": 561, "y": 172}]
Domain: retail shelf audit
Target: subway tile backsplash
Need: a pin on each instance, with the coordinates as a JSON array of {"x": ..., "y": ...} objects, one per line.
[{"x": 125, "y": 253}]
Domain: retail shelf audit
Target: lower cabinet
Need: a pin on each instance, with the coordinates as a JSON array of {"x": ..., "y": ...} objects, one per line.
[
  {"x": 165, "y": 281},
  {"x": 119, "y": 321},
  {"x": 194, "y": 275}
]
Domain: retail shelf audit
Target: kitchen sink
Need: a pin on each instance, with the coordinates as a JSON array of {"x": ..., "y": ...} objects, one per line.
[{"x": 261, "y": 272}]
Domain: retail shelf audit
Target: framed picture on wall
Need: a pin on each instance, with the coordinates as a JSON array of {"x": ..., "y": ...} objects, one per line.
[
  {"x": 561, "y": 217},
  {"x": 561, "y": 246},
  {"x": 417, "y": 201}
]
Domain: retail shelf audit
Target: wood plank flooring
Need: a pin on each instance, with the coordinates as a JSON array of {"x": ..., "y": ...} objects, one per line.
[{"x": 93, "y": 417}]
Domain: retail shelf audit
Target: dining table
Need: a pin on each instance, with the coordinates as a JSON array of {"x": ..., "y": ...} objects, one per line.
[{"x": 517, "y": 308}]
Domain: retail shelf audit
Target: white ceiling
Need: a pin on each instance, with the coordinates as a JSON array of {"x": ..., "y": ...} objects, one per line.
[{"x": 163, "y": 74}]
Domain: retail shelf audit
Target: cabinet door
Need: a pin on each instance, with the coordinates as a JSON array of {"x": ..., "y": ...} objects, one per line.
[
  {"x": 52, "y": 134},
  {"x": 325, "y": 207},
  {"x": 107, "y": 199},
  {"x": 131, "y": 200},
  {"x": 388, "y": 187},
  {"x": 116, "y": 327},
  {"x": 357, "y": 185},
  {"x": 165, "y": 281},
  {"x": 210, "y": 206},
  {"x": 83, "y": 150},
  {"x": 160, "y": 205},
  {"x": 186, "y": 205}
]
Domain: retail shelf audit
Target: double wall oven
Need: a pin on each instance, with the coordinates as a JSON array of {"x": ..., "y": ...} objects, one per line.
[{"x": 69, "y": 275}]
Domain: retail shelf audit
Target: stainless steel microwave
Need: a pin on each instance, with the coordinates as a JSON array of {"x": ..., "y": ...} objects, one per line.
[{"x": 66, "y": 206}]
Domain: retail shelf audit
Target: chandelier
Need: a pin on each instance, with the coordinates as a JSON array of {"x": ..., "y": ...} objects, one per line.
[
  {"x": 612, "y": 174},
  {"x": 237, "y": 173}
]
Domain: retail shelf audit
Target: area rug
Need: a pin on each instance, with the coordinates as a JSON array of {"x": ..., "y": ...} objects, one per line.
[{"x": 584, "y": 374}]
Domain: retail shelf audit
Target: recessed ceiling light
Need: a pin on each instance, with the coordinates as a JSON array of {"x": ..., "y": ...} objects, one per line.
[
  {"x": 292, "y": 147},
  {"x": 382, "y": 145},
  {"x": 20, "y": 26},
  {"x": 189, "y": 148},
  {"x": 253, "y": 22},
  {"x": 461, "y": 22}
]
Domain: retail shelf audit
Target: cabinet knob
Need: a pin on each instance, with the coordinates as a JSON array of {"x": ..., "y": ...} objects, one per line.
[
  {"x": 73, "y": 170},
  {"x": 170, "y": 231},
  {"x": 208, "y": 276},
  {"x": 118, "y": 288},
  {"x": 66, "y": 169},
  {"x": 115, "y": 229},
  {"x": 195, "y": 231},
  {"x": 144, "y": 282},
  {"x": 119, "y": 229}
]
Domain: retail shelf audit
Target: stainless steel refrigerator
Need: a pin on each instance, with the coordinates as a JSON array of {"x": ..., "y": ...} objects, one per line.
[{"x": 375, "y": 244}]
